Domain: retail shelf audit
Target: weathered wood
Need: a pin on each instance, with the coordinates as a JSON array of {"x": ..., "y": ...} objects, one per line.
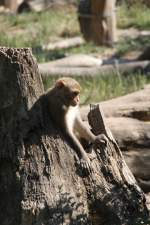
[
  {"x": 20, "y": 86},
  {"x": 122, "y": 68},
  {"x": 133, "y": 137},
  {"x": 130, "y": 133},
  {"x": 64, "y": 44},
  {"x": 11, "y": 5},
  {"x": 78, "y": 60},
  {"x": 98, "y": 125},
  {"x": 138, "y": 161},
  {"x": 98, "y": 21},
  {"x": 40, "y": 180},
  {"x": 128, "y": 118},
  {"x": 135, "y": 105}
]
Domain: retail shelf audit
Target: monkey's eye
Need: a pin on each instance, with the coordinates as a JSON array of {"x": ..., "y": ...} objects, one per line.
[{"x": 75, "y": 93}]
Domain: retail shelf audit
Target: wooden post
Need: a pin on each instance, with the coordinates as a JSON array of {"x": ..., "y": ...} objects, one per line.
[
  {"x": 109, "y": 16},
  {"x": 11, "y": 5},
  {"x": 98, "y": 21}
]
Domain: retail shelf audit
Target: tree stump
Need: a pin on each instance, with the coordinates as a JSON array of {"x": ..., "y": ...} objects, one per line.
[{"x": 40, "y": 183}]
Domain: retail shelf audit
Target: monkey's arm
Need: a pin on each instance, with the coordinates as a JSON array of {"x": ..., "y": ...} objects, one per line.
[
  {"x": 86, "y": 133},
  {"x": 84, "y": 159},
  {"x": 83, "y": 130}
]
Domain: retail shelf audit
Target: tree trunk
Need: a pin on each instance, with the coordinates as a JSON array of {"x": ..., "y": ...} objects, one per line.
[
  {"x": 11, "y": 5},
  {"x": 40, "y": 181},
  {"x": 98, "y": 21}
]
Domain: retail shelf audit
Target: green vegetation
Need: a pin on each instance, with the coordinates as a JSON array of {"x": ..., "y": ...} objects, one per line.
[
  {"x": 102, "y": 87},
  {"x": 137, "y": 15},
  {"x": 37, "y": 29},
  {"x": 129, "y": 44}
]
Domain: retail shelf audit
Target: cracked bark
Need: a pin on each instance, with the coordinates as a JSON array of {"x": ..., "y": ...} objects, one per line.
[{"x": 39, "y": 181}]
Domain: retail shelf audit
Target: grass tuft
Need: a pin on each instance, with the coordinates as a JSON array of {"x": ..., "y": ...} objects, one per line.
[
  {"x": 37, "y": 29},
  {"x": 137, "y": 16},
  {"x": 103, "y": 87}
]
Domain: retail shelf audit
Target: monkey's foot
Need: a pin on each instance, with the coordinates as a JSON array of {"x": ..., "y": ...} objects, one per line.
[
  {"x": 85, "y": 165},
  {"x": 101, "y": 141}
]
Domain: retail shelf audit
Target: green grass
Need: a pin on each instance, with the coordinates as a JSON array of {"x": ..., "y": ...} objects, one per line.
[
  {"x": 87, "y": 48},
  {"x": 128, "y": 45},
  {"x": 107, "y": 86},
  {"x": 37, "y": 29},
  {"x": 136, "y": 15}
]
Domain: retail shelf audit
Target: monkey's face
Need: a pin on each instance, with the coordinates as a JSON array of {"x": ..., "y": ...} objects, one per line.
[
  {"x": 75, "y": 98},
  {"x": 71, "y": 96},
  {"x": 69, "y": 91}
]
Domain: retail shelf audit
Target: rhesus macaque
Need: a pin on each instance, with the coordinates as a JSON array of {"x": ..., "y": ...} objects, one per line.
[{"x": 63, "y": 105}]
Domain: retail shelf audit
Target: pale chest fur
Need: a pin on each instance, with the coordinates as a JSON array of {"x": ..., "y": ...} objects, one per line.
[{"x": 70, "y": 117}]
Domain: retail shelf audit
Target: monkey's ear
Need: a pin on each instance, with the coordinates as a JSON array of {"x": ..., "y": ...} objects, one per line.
[{"x": 60, "y": 83}]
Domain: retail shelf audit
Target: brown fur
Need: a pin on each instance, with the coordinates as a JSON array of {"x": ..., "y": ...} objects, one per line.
[{"x": 63, "y": 104}]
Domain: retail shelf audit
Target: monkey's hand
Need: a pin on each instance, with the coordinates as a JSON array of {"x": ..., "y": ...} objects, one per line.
[
  {"x": 85, "y": 164},
  {"x": 101, "y": 141}
]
